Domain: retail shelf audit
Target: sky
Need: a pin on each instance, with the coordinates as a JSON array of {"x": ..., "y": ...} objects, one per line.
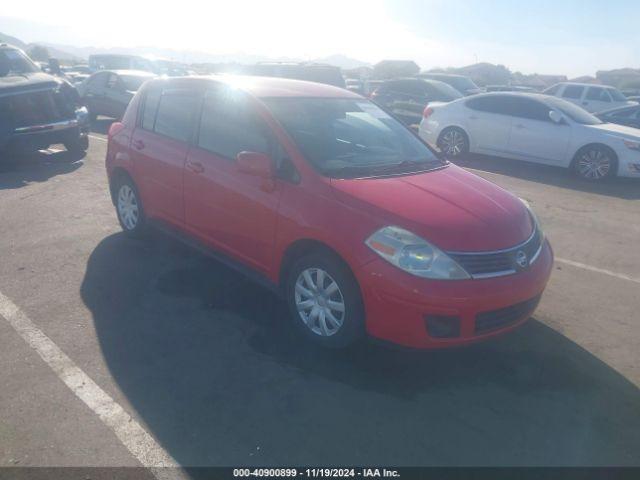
[{"x": 572, "y": 37}]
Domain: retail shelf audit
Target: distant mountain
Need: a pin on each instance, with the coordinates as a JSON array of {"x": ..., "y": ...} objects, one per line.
[{"x": 12, "y": 41}]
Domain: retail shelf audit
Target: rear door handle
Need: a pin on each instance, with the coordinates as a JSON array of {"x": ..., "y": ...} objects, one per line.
[
  {"x": 195, "y": 167},
  {"x": 138, "y": 144}
]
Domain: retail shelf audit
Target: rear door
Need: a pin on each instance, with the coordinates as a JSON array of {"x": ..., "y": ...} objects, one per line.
[
  {"x": 159, "y": 148},
  {"x": 573, "y": 94},
  {"x": 534, "y": 136},
  {"x": 488, "y": 122},
  {"x": 94, "y": 93},
  {"x": 230, "y": 210},
  {"x": 116, "y": 97}
]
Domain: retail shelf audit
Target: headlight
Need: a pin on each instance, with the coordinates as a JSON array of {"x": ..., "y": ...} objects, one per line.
[
  {"x": 414, "y": 254},
  {"x": 534, "y": 218},
  {"x": 632, "y": 145}
]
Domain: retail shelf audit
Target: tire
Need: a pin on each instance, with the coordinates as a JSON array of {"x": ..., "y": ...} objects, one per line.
[
  {"x": 129, "y": 207},
  {"x": 341, "y": 308},
  {"x": 79, "y": 145},
  {"x": 595, "y": 163},
  {"x": 453, "y": 142}
]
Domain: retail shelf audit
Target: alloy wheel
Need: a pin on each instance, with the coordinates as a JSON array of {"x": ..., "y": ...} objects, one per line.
[
  {"x": 128, "y": 207},
  {"x": 594, "y": 164},
  {"x": 319, "y": 302},
  {"x": 453, "y": 143}
]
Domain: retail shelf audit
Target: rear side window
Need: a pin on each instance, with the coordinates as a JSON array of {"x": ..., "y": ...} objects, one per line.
[
  {"x": 492, "y": 104},
  {"x": 573, "y": 91},
  {"x": 530, "y": 109},
  {"x": 175, "y": 114},
  {"x": 598, "y": 94},
  {"x": 152, "y": 98},
  {"x": 228, "y": 126}
]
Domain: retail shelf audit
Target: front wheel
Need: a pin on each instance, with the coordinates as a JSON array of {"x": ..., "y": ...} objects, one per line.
[
  {"x": 453, "y": 142},
  {"x": 129, "y": 207},
  {"x": 595, "y": 163},
  {"x": 324, "y": 301}
]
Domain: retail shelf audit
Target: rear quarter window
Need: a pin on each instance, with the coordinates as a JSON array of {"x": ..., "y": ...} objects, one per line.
[{"x": 174, "y": 118}]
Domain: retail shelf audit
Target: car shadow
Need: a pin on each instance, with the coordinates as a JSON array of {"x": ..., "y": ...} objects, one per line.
[
  {"x": 17, "y": 170},
  {"x": 624, "y": 188},
  {"x": 102, "y": 125},
  {"x": 208, "y": 361}
]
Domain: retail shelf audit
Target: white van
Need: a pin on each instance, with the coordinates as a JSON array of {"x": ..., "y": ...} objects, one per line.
[{"x": 593, "y": 98}]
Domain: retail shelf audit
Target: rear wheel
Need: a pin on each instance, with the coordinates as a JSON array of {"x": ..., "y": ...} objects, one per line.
[
  {"x": 129, "y": 207},
  {"x": 595, "y": 163},
  {"x": 453, "y": 142},
  {"x": 324, "y": 301}
]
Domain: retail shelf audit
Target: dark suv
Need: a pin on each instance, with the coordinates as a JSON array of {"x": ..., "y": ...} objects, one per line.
[{"x": 37, "y": 109}]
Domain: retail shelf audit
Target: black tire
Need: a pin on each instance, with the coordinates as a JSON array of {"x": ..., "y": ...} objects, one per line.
[
  {"x": 453, "y": 142},
  {"x": 595, "y": 163},
  {"x": 79, "y": 145},
  {"x": 352, "y": 328},
  {"x": 134, "y": 226}
]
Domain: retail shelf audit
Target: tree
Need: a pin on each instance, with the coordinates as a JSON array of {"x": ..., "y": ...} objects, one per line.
[{"x": 38, "y": 53}]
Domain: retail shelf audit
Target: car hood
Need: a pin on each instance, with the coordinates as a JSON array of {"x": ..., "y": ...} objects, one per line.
[
  {"x": 616, "y": 130},
  {"x": 452, "y": 208},
  {"x": 12, "y": 84}
]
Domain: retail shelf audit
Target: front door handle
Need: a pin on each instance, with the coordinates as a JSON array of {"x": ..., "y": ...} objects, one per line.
[{"x": 195, "y": 167}]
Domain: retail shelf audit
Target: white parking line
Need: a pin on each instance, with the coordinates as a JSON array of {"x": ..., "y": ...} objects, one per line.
[
  {"x": 97, "y": 138},
  {"x": 135, "y": 438},
  {"x": 621, "y": 276}
]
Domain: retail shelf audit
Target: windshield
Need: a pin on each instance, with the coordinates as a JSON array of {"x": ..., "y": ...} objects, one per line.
[
  {"x": 14, "y": 62},
  {"x": 134, "y": 82},
  {"x": 350, "y": 138},
  {"x": 448, "y": 91},
  {"x": 572, "y": 111},
  {"x": 462, "y": 83},
  {"x": 616, "y": 95}
]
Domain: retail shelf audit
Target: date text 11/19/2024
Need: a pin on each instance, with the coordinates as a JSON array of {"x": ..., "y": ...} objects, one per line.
[{"x": 316, "y": 472}]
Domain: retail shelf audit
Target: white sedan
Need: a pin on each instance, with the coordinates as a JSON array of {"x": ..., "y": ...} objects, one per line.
[{"x": 535, "y": 128}]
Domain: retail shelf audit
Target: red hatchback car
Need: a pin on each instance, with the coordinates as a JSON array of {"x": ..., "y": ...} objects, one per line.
[{"x": 322, "y": 195}]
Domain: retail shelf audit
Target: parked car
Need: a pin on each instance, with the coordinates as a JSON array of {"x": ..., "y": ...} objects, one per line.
[
  {"x": 536, "y": 128},
  {"x": 509, "y": 88},
  {"x": 324, "y": 197},
  {"x": 634, "y": 98},
  {"x": 311, "y": 72},
  {"x": 37, "y": 109},
  {"x": 629, "y": 116},
  {"x": 108, "y": 92},
  {"x": 406, "y": 98},
  {"x": 593, "y": 98},
  {"x": 463, "y": 84}
]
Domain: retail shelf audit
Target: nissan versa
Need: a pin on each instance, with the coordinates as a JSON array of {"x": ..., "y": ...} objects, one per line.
[{"x": 322, "y": 195}]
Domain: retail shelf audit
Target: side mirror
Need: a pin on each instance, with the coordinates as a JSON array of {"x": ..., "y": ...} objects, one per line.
[
  {"x": 256, "y": 164},
  {"x": 556, "y": 117}
]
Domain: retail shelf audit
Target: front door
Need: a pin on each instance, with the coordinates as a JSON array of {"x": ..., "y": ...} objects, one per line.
[{"x": 233, "y": 211}]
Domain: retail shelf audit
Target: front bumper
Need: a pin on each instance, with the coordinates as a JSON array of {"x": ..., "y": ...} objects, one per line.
[
  {"x": 35, "y": 137},
  {"x": 398, "y": 304}
]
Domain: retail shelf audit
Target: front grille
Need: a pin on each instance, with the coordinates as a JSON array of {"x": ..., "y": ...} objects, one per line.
[
  {"x": 503, "y": 262},
  {"x": 496, "y": 319},
  {"x": 36, "y": 108}
]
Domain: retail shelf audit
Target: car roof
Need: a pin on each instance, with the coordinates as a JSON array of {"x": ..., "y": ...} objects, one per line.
[
  {"x": 137, "y": 73},
  {"x": 264, "y": 87},
  {"x": 579, "y": 84}
]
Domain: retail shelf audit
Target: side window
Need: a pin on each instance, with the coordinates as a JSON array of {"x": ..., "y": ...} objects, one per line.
[
  {"x": 227, "y": 126},
  {"x": 573, "y": 91},
  {"x": 597, "y": 94},
  {"x": 492, "y": 104},
  {"x": 175, "y": 114},
  {"x": 151, "y": 101},
  {"x": 98, "y": 81},
  {"x": 113, "y": 81},
  {"x": 552, "y": 90},
  {"x": 530, "y": 109}
]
